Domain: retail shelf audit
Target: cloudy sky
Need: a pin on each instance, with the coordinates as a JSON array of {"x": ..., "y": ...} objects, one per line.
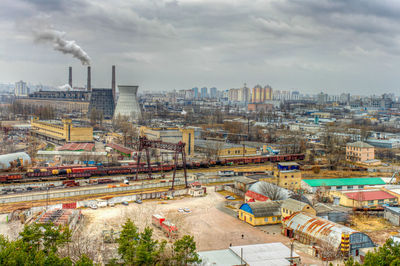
[{"x": 310, "y": 45}]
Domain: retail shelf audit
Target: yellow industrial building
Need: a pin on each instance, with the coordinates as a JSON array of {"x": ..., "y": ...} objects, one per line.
[
  {"x": 172, "y": 135},
  {"x": 61, "y": 132},
  {"x": 223, "y": 149},
  {"x": 272, "y": 212},
  {"x": 288, "y": 175},
  {"x": 260, "y": 213},
  {"x": 285, "y": 175},
  {"x": 290, "y": 206}
]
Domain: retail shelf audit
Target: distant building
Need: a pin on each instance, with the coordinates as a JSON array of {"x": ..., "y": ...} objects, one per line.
[
  {"x": 21, "y": 89},
  {"x": 213, "y": 93},
  {"x": 204, "y": 93},
  {"x": 359, "y": 152},
  {"x": 195, "y": 92}
]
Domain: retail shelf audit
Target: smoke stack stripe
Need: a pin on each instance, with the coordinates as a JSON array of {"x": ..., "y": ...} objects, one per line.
[
  {"x": 89, "y": 81},
  {"x": 70, "y": 77},
  {"x": 113, "y": 82}
]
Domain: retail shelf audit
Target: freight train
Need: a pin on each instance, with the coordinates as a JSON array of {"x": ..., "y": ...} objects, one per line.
[{"x": 76, "y": 171}]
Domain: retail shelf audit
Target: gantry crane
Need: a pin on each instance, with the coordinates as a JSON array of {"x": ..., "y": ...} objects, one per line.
[{"x": 178, "y": 148}]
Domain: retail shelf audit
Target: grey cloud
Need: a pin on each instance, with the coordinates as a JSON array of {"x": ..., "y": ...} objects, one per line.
[{"x": 178, "y": 44}]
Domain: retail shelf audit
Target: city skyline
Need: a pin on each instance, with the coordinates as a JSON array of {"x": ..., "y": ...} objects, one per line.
[{"x": 310, "y": 46}]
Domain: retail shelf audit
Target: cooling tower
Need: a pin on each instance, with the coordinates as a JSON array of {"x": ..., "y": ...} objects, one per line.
[{"x": 128, "y": 104}]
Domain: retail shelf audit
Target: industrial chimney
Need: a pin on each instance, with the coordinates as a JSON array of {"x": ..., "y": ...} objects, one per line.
[
  {"x": 89, "y": 82},
  {"x": 113, "y": 82},
  {"x": 70, "y": 77}
]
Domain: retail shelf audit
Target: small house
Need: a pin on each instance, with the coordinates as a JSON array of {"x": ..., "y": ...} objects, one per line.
[
  {"x": 290, "y": 206},
  {"x": 252, "y": 196},
  {"x": 196, "y": 190}
]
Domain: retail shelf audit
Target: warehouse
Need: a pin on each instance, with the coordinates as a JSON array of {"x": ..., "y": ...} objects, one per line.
[
  {"x": 312, "y": 230},
  {"x": 290, "y": 206},
  {"x": 61, "y": 131},
  {"x": 312, "y": 185},
  {"x": 364, "y": 198},
  {"x": 224, "y": 149},
  {"x": 261, "y": 213}
]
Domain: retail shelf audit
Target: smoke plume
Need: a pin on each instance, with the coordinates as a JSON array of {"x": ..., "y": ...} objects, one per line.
[
  {"x": 64, "y": 87},
  {"x": 57, "y": 38}
]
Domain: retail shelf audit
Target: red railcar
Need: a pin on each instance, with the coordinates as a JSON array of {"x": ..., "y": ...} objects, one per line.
[
  {"x": 79, "y": 175},
  {"x": 157, "y": 220},
  {"x": 169, "y": 229},
  {"x": 83, "y": 169}
]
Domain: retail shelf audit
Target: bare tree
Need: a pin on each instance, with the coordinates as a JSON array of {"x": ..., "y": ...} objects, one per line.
[{"x": 273, "y": 192}]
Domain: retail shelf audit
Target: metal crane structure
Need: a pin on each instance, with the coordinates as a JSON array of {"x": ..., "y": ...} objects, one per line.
[
  {"x": 178, "y": 148},
  {"x": 394, "y": 178}
]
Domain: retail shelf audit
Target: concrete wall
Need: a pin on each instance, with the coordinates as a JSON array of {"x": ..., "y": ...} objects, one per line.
[{"x": 392, "y": 217}]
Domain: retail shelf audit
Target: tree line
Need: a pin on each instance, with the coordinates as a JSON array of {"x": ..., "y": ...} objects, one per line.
[{"x": 46, "y": 244}]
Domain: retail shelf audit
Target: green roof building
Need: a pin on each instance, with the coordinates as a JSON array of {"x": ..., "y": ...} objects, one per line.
[{"x": 341, "y": 183}]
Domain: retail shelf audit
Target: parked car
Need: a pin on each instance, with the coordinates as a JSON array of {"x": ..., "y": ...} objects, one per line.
[
  {"x": 138, "y": 201},
  {"x": 187, "y": 210},
  {"x": 125, "y": 203}
]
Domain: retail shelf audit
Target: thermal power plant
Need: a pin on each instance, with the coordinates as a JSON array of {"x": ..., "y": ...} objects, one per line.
[{"x": 128, "y": 105}]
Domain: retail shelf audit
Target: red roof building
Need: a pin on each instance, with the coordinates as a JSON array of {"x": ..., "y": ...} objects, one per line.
[
  {"x": 121, "y": 149},
  {"x": 252, "y": 196},
  {"x": 369, "y": 195},
  {"x": 77, "y": 147}
]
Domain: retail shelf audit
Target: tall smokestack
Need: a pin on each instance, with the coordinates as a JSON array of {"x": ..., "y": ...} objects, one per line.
[
  {"x": 89, "y": 81},
  {"x": 70, "y": 77},
  {"x": 113, "y": 81}
]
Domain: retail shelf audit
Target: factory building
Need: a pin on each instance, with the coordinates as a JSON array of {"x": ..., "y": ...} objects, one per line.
[
  {"x": 223, "y": 149},
  {"x": 172, "y": 135},
  {"x": 312, "y": 185},
  {"x": 316, "y": 231},
  {"x": 61, "y": 132},
  {"x": 102, "y": 100},
  {"x": 79, "y": 101}
]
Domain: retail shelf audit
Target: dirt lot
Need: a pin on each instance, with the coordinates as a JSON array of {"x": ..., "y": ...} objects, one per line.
[
  {"x": 377, "y": 228},
  {"x": 211, "y": 228}
]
